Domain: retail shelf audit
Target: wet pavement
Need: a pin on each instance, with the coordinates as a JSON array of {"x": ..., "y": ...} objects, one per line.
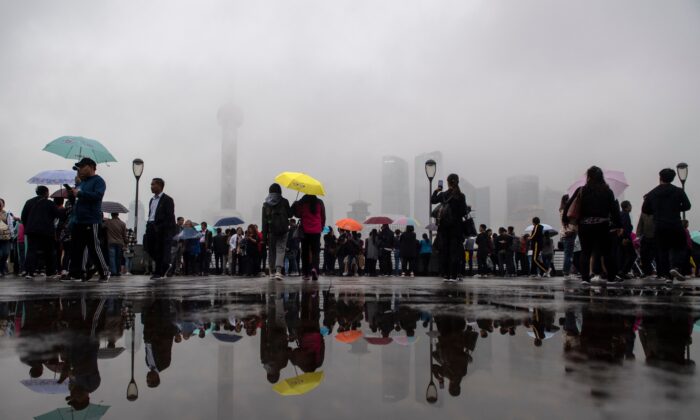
[{"x": 221, "y": 347}]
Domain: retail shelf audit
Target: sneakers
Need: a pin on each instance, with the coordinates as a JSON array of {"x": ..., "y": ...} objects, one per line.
[
  {"x": 29, "y": 276},
  {"x": 585, "y": 283},
  {"x": 104, "y": 279},
  {"x": 598, "y": 280},
  {"x": 66, "y": 278},
  {"x": 403, "y": 274},
  {"x": 305, "y": 278},
  {"x": 412, "y": 275},
  {"x": 677, "y": 275}
]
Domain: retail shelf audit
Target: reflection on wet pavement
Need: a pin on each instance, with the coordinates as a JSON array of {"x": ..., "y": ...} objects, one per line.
[{"x": 312, "y": 351}]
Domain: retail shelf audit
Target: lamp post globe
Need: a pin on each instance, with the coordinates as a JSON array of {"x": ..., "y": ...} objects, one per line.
[
  {"x": 137, "y": 168},
  {"x": 430, "y": 169}
]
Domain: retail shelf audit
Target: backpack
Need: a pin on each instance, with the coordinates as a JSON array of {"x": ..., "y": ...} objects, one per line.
[
  {"x": 277, "y": 218},
  {"x": 5, "y": 232}
]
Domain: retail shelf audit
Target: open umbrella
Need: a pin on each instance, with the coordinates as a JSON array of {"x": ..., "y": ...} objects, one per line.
[
  {"x": 62, "y": 193},
  {"x": 53, "y": 177},
  {"x": 301, "y": 182},
  {"x": 46, "y": 386},
  {"x": 113, "y": 207},
  {"x": 695, "y": 236},
  {"x": 91, "y": 412},
  {"x": 406, "y": 221},
  {"x": 405, "y": 340},
  {"x": 432, "y": 227},
  {"x": 299, "y": 385},
  {"x": 71, "y": 147},
  {"x": 229, "y": 221},
  {"x": 547, "y": 334},
  {"x": 198, "y": 228},
  {"x": 379, "y": 220},
  {"x": 349, "y": 224},
  {"x": 615, "y": 179},
  {"x": 348, "y": 337},
  {"x": 227, "y": 338},
  {"x": 545, "y": 228},
  {"x": 379, "y": 341},
  {"x": 188, "y": 233}
]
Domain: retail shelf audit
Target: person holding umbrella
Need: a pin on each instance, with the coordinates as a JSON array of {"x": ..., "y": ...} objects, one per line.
[
  {"x": 312, "y": 212},
  {"x": 594, "y": 208}
]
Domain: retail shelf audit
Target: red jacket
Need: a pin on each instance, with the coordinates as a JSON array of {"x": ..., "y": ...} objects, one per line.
[{"x": 311, "y": 223}]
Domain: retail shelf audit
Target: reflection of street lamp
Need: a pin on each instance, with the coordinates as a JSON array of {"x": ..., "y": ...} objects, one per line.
[
  {"x": 682, "y": 170},
  {"x": 431, "y": 394},
  {"x": 137, "y": 167},
  {"x": 132, "y": 391},
  {"x": 430, "y": 169}
]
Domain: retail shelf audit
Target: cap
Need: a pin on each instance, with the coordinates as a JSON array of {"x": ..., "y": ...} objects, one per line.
[{"x": 84, "y": 161}]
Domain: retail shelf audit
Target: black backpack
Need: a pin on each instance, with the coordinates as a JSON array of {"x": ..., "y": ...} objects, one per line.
[{"x": 277, "y": 218}]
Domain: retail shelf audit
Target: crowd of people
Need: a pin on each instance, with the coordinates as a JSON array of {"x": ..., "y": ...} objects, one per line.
[{"x": 69, "y": 236}]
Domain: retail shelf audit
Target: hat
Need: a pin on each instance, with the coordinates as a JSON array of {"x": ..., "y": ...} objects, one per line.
[{"x": 84, "y": 161}]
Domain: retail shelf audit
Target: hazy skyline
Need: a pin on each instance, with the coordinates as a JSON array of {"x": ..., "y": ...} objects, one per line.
[{"x": 501, "y": 88}]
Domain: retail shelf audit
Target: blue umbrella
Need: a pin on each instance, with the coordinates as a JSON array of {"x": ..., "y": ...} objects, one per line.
[
  {"x": 230, "y": 221},
  {"x": 198, "y": 228},
  {"x": 53, "y": 177},
  {"x": 227, "y": 338},
  {"x": 188, "y": 233},
  {"x": 75, "y": 148}
]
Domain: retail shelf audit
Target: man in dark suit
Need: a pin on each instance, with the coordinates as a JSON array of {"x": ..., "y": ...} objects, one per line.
[{"x": 160, "y": 228}]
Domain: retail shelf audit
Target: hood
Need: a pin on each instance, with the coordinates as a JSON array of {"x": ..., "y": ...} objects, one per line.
[{"x": 273, "y": 199}]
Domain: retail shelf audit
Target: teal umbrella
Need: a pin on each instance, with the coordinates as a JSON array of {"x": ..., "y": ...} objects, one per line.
[
  {"x": 91, "y": 412},
  {"x": 695, "y": 236},
  {"x": 77, "y": 148}
]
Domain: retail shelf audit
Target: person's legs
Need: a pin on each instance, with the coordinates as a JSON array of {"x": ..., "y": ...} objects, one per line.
[
  {"x": 278, "y": 246},
  {"x": 95, "y": 250},
  {"x": 315, "y": 252},
  {"x": 305, "y": 256},
  {"x": 4, "y": 254},
  {"x": 568, "y": 242},
  {"x": 32, "y": 248},
  {"x": 113, "y": 258},
  {"x": 404, "y": 266},
  {"x": 502, "y": 263},
  {"x": 538, "y": 267}
]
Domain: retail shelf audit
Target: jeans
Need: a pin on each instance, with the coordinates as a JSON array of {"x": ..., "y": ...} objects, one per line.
[
  {"x": 291, "y": 262},
  {"x": 397, "y": 262},
  {"x": 278, "y": 245},
  {"x": 128, "y": 263},
  {"x": 115, "y": 259},
  {"x": 569, "y": 242}
]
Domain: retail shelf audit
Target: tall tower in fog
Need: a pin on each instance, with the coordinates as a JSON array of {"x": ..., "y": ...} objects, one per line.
[{"x": 230, "y": 118}]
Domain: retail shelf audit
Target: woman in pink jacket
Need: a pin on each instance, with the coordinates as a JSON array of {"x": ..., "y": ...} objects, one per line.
[{"x": 312, "y": 214}]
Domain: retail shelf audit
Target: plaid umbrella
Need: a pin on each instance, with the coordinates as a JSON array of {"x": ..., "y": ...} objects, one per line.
[{"x": 113, "y": 207}]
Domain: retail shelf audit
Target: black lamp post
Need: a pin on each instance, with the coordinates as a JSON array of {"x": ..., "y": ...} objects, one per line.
[
  {"x": 682, "y": 171},
  {"x": 431, "y": 393},
  {"x": 132, "y": 391},
  {"x": 137, "y": 167},
  {"x": 430, "y": 170}
]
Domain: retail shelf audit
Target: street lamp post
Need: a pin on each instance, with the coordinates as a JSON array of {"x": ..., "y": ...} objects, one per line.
[
  {"x": 431, "y": 393},
  {"x": 682, "y": 171},
  {"x": 137, "y": 167},
  {"x": 132, "y": 390},
  {"x": 430, "y": 169}
]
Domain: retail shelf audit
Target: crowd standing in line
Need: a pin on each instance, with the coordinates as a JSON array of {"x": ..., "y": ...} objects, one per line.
[{"x": 597, "y": 238}]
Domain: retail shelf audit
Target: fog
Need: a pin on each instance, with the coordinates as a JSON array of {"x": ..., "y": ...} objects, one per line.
[{"x": 329, "y": 87}]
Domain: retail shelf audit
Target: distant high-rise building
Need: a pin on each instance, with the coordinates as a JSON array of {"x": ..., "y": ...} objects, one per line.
[
  {"x": 523, "y": 200},
  {"x": 482, "y": 206},
  {"x": 421, "y": 196},
  {"x": 551, "y": 199},
  {"x": 480, "y": 201},
  {"x": 359, "y": 210},
  {"x": 395, "y": 194}
]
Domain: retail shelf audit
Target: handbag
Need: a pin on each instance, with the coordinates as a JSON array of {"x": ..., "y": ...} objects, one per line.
[{"x": 574, "y": 212}]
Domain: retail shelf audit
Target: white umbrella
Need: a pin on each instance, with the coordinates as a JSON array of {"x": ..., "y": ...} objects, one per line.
[
  {"x": 545, "y": 228},
  {"x": 53, "y": 177}
]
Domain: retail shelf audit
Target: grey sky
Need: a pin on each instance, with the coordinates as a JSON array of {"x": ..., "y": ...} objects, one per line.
[{"x": 501, "y": 88}]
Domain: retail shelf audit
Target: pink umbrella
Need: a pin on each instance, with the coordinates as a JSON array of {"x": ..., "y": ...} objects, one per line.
[{"x": 615, "y": 179}]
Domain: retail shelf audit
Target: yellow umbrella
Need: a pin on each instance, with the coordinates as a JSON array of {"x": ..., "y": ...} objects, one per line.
[
  {"x": 300, "y": 182},
  {"x": 299, "y": 385}
]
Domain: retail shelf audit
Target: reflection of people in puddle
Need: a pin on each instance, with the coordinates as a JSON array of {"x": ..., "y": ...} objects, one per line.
[
  {"x": 541, "y": 323},
  {"x": 453, "y": 351},
  {"x": 159, "y": 331},
  {"x": 39, "y": 319},
  {"x": 408, "y": 319},
  {"x": 666, "y": 339},
  {"x": 311, "y": 348},
  {"x": 273, "y": 340},
  {"x": 85, "y": 319}
]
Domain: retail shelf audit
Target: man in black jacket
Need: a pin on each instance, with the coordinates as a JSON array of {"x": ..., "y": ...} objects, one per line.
[
  {"x": 453, "y": 210},
  {"x": 665, "y": 203},
  {"x": 38, "y": 216},
  {"x": 160, "y": 228}
]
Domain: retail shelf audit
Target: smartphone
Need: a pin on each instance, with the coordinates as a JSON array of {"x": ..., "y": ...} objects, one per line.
[
  {"x": 67, "y": 187},
  {"x": 440, "y": 184}
]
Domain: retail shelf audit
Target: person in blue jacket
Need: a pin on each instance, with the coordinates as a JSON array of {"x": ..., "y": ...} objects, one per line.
[{"x": 86, "y": 222}]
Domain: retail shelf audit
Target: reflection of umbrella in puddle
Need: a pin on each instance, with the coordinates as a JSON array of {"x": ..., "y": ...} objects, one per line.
[
  {"x": 227, "y": 338},
  {"x": 379, "y": 341},
  {"x": 299, "y": 385},
  {"x": 91, "y": 412},
  {"x": 547, "y": 334},
  {"x": 348, "y": 337},
  {"x": 109, "y": 353},
  {"x": 46, "y": 386},
  {"x": 405, "y": 340},
  {"x": 696, "y": 326}
]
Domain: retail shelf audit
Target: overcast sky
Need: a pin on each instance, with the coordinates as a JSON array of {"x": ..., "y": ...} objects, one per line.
[{"x": 328, "y": 87}]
